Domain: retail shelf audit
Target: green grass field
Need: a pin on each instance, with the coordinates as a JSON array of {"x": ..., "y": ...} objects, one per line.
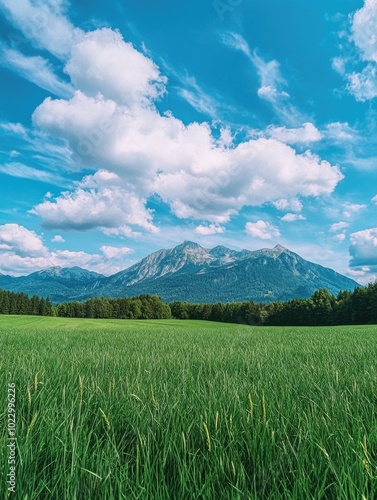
[{"x": 168, "y": 409}]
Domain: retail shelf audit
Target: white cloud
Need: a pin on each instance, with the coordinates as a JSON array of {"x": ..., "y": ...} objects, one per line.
[
  {"x": 374, "y": 199},
  {"x": 271, "y": 93},
  {"x": 293, "y": 204},
  {"x": 94, "y": 205},
  {"x": 351, "y": 209},
  {"x": 37, "y": 70},
  {"x": 359, "y": 272},
  {"x": 22, "y": 252},
  {"x": 364, "y": 30},
  {"x": 363, "y": 249},
  {"x": 237, "y": 42},
  {"x": 272, "y": 82},
  {"x": 304, "y": 134},
  {"x": 340, "y": 132},
  {"x": 362, "y": 84},
  {"x": 339, "y": 65},
  {"x": 20, "y": 241},
  {"x": 121, "y": 232},
  {"x": 16, "y": 169},
  {"x": 13, "y": 128},
  {"x": 58, "y": 239},
  {"x": 201, "y": 101},
  {"x": 111, "y": 123},
  {"x": 363, "y": 274},
  {"x": 43, "y": 23},
  {"x": 115, "y": 252},
  {"x": 338, "y": 226},
  {"x": 263, "y": 171},
  {"x": 206, "y": 179},
  {"x": 263, "y": 230},
  {"x": 104, "y": 63},
  {"x": 339, "y": 237},
  {"x": 289, "y": 217},
  {"x": 207, "y": 230},
  {"x": 270, "y": 76},
  {"x": 17, "y": 265},
  {"x": 272, "y": 90}
]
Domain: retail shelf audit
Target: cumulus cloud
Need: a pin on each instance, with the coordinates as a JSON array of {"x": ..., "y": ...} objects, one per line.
[
  {"x": 339, "y": 237},
  {"x": 364, "y": 30},
  {"x": 104, "y": 63},
  {"x": 111, "y": 124},
  {"x": 305, "y": 134},
  {"x": 338, "y": 226},
  {"x": 183, "y": 164},
  {"x": 94, "y": 205},
  {"x": 270, "y": 78},
  {"x": 351, "y": 209},
  {"x": 362, "y": 84},
  {"x": 208, "y": 230},
  {"x": 22, "y": 251},
  {"x": 20, "y": 241},
  {"x": 363, "y": 248},
  {"x": 289, "y": 217},
  {"x": 340, "y": 132},
  {"x": 58, "y": 239},
  {"x": 293, "y": 204},
  {"x": 252, "y": 173},
  {"x": 262, "y": 229},
  {"x": 111, "y": 252}
]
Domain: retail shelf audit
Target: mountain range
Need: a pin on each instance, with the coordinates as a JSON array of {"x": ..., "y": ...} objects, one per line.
[{"x": 191, "y": 273}]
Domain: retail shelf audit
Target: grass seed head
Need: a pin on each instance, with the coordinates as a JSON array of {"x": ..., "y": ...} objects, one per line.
[
  {"x": 32, "y": 424},
  {"x": 106, "y": 420},
  {"x": 264, "y": 412},
  {"x": 81, "y": 386},
  {"x": 250, "y": 404},
  {"x": 208, "y": 437},
  {"x": 233, "y": 469},
  {"x": 184, "y": 442}
]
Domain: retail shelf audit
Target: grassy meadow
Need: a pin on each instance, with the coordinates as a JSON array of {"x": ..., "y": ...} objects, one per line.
[{"x": 166, "y": 409}]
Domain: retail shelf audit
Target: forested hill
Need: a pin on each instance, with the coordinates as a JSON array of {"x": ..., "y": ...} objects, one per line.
[{"x": 323, "y": 308}]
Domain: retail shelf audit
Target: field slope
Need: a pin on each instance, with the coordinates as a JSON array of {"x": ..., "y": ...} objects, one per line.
[{"x": 170, "y": 409}]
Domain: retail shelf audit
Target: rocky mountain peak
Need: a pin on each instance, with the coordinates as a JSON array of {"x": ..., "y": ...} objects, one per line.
[{"x": 188, "y": 245}]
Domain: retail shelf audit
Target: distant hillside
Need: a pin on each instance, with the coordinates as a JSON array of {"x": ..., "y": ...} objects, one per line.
[{"x": 192, "y": 273}]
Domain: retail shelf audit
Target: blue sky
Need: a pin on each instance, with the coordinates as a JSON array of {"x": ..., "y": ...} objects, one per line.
[{"x": 131, "y": 126}]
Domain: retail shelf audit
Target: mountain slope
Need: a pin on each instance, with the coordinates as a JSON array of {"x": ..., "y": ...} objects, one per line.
[
  {"x": 58, "y": 283},
  {"x": 192, "y": 273}
]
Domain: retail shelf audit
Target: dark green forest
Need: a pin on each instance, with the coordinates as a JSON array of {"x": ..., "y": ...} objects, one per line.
[
  {"x": 21, "y": 303},
  {"x": 321, "y": 309}
]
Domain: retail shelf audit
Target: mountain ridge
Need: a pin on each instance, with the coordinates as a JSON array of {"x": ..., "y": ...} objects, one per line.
[{"x": 193, "y": 273}]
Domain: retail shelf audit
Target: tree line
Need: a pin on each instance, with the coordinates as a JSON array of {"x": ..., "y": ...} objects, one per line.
[
  {"x": 322, "y": 308},
  {"x": 141, "y": 307},
  {"x": 21, "y": 303}
]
